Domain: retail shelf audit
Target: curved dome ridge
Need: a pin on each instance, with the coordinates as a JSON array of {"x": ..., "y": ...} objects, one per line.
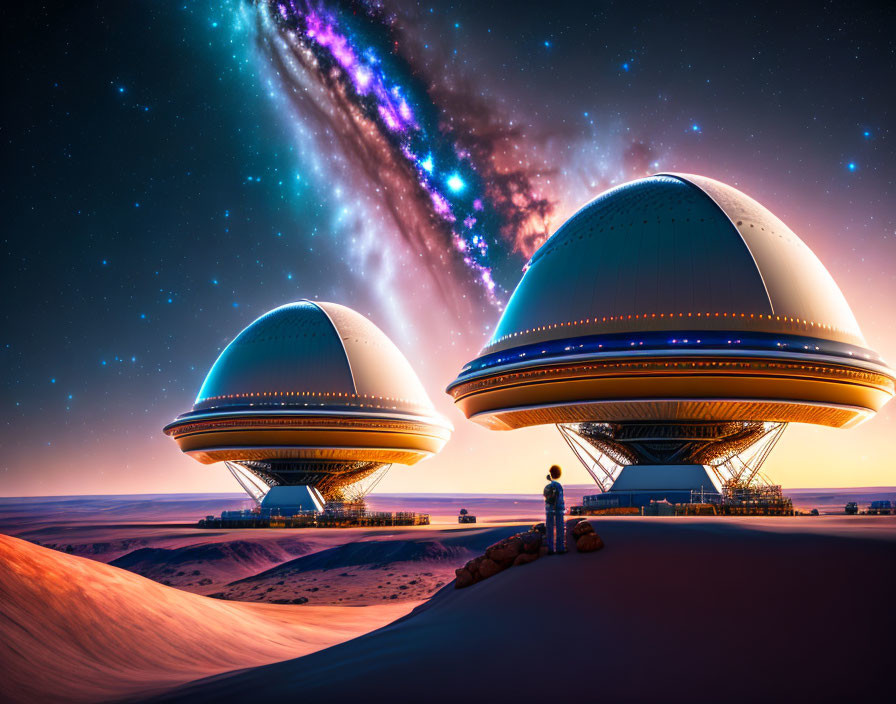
[
  {"x": 377, "y": 366},
  {"x": 293, "y": 347},
  {"x": 674, "y": 246},
  {"x": 311, "y": 353},
  {"x": 653, "y": 246},
  {"x": 734, "y": 228},
  {"x": 798, "y": 284}
]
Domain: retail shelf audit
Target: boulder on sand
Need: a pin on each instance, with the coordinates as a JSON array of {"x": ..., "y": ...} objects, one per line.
[
  {"x": 500, "y": 557},
  {"x": 531, "y": 541},
  {"x": 464, "y": 578},
  {"x": 589, "y": 542},
  {"x": 473, "y": 566},
  {"x": 582, "y": 528},
  {"x": 519, "y": 549},
  {"x": 539, "y": 528},
  {"x": 505, "y": 552},
  {"x": 515, "y": 543},
  {"x": 488, "y": 568}
]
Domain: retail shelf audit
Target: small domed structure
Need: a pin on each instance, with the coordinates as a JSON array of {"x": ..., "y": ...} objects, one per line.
[
  {"x": 674, "y": 320},
  {"x": 311, "y": 395}
]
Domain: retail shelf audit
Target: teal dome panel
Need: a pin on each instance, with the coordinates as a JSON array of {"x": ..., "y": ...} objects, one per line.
[
  {"x": 659, "y": 244},
  {"x": 292, "y": 348}
]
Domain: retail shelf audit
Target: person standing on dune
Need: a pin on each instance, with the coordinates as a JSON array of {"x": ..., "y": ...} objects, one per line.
[{"x": 554, "y": 509}]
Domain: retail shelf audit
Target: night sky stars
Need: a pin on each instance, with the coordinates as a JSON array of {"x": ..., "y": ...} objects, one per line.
[{"x": 174, "y": 170}]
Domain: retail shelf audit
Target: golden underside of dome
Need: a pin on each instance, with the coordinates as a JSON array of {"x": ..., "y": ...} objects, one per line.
[
  {"x": 337, "y": 439},
  {"x": 704, "y": 389}
]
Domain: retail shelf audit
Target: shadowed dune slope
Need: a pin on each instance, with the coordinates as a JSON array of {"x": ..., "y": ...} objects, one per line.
[
  {"x": 72, "y": 629},
  {"x": 405, "y": 565},
  {"x": 203, "y": 568},
  {"x": 243, "y": 553},
  {"x": 455, "y": 549},
  {"x": 671, "y": 610}
]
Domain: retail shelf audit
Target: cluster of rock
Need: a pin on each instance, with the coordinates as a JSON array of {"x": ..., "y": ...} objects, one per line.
[
  {"x": 586, "y": 539},
  {"x": 520, "y": 549}
]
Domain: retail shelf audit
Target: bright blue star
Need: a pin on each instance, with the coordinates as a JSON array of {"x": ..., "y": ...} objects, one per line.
[
  {"x": 289, "y": 276},
  {"x": 427, "y": 164},
  {"x": 867, "y": 134},
  {"x": 547, "y": 44},
  {"x": 852, "y": 166},
  {"x": 236, "y": 305},
  {"x": 695, "y": 127},
  {"x": 455, "y": 183},
  {"x": 53, "y": 380},
  {"x": 215, "y": 282},
  {"x": 121, "y": 89},
  {"x": 625, "y": 66}
]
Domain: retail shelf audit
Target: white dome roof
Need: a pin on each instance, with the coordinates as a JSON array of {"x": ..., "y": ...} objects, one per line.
[
  {"x": 313, "y": 353},
  {"x": 677, "y": 245}
]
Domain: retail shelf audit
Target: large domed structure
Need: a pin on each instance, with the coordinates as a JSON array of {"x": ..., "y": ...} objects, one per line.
[
  {"x": 674, "y": 321},
  {"x": 311, "y": 396}
]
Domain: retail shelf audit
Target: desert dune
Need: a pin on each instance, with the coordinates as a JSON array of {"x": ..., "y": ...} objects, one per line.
[
  {"x": 78, "y": 630},
  {"x": 349, "y": 566},
  {"x": 675, "y": 609}
]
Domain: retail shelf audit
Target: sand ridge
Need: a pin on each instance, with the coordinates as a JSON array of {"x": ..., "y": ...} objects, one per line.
[{"x": 78, "y": 630}]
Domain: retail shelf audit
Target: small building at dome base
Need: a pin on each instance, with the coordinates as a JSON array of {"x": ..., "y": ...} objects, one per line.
[
  {"x": 638, "y": 485},
  {"x": 290, "y": 500}
]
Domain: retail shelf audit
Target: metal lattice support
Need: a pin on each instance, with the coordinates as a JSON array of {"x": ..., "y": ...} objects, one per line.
[
  {"x": 733, "y": 468},
  {"x": 251, "y": 483},
  {"x": 603, "y": 470},
  {"x": 331, "y": 478},
  {"x": 743, "y": 468},
  {"x": 359, "y": 490}
]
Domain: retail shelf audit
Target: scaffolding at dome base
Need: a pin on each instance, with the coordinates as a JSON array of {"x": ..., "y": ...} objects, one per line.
[
  {"x": 335, "y": 515},
  {"x": 763, "y": 499},
  {"x": 251, "y": 483},
  {"x": 743, "y": 468},
  {"x": 602, "y": 468},
  {"x": 357, "y": 492},
  {"x": 336, "y": 481},
  {"x": 734, "y": 451}
]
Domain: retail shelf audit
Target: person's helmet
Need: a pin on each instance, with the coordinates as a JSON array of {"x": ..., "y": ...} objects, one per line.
[{"x": 555, "y": 471}]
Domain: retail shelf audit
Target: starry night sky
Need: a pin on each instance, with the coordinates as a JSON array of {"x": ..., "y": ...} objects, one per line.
[{"x": 170, "y": 176}]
